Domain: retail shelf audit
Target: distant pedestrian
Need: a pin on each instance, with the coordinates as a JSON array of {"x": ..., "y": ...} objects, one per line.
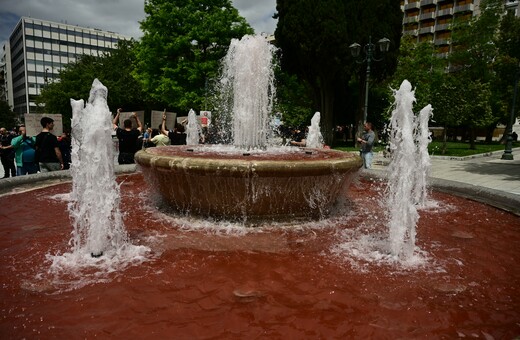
[
  {"x": 25, "y": 150},
  {"x": 367, "y": 142},
  {"x": 65, "y": 144},
  {"x": 7, "y": 153},
  {"x": 128, "y": 138},
  {"x": 177, "y": 136},
  {"x": 48, "y": 152},
  {"x": 161, "y": 139}
]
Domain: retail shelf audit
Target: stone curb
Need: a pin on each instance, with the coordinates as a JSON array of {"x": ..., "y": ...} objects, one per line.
[
  {"x": 495, "y": 198},
  {"x": 9, "y": 185}
]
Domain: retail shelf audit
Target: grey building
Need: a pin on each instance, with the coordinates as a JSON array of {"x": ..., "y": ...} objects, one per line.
[
  {"x": 38, "y": 49},
  {"x": 431, "y": 20}
]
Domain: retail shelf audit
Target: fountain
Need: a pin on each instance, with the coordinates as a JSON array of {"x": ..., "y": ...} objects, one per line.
[
  {"x": 250, "y": 180},
  {"x": 94, "y": 201},
  {"x": 217, "y": 279},
  {"x": 409, "y": 138}
]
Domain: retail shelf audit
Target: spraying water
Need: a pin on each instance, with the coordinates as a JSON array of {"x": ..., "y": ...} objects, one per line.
[
  {"x": 98, "y": 236},
  {"x": 422, "y": 137},
  {"x": 94, "y": 206},
  {"x": 192, "y": 129},
  {"x": 314, "y": 137},
  {"x": 247, "y": 85},
  {"x": 409, "y": 139}
]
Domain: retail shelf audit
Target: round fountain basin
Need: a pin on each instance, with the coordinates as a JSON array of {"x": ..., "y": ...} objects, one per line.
[{"x": 228, "y": 183}]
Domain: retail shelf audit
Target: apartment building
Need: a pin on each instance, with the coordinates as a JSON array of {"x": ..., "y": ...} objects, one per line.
[
  {"x": 431, "y": 20},
  {"x": 38, "y": 49}
]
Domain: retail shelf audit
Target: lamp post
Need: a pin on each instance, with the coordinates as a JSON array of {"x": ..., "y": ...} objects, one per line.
[
  {"x": 369, "y": 49},
  {"x": 508, "y": 152}
]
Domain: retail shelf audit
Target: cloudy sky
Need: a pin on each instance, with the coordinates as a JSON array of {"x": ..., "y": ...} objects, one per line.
[{"x": 121, "y": 16}]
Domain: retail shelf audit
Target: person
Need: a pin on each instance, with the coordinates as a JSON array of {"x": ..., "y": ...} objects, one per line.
[
  {"x": 48, "y": 152},
  {"x": 367, "y": 142},
  {"x": 25, "y": 149},
  {"x": 177, "y": 136},
  {"x": 299, "y": 138},
  {"x": 65, "y": 144},
  {"x": 147, "y": 136},
  {"x": 7, "y": 153},
  {"x": 162, "y": 138},
  {"x": 128, "y": 138},
  {"x": 205, "y": 121}
]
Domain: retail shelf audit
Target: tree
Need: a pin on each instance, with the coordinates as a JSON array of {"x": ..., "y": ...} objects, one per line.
[
  {"x": 314, "y": 37},
  {"x": 182, "y": 46},
  {"x": 75, "y": 80},
  {"x": 418, "y": 64},
  {"x": 7, "y": 116},
  {"x": 473, "y": 60}
]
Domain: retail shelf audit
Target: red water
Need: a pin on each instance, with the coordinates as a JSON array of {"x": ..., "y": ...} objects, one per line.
[
  {"x": 279, "y": 283},
  {"x": 217, "y": 152}
]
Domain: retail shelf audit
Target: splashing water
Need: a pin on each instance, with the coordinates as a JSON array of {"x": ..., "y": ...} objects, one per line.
[
  {"x": 408, "y": 170},
  {"x": 423, "y": 138},
  {"x": 94, "y": 206},
  {"x": 192, "y": 129},
  {"x": 247, "y": 88},
  {"x": 314, "y": 137},
  {"x": 94, "y": 201}
]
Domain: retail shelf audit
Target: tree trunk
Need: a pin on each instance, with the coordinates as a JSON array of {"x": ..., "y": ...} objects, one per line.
[
  {"x": 326, "y": 105},
  {"x": 444, "y": 140},
  {"x": 472, "y": 138},
  {"x": 489, "y": 133}
]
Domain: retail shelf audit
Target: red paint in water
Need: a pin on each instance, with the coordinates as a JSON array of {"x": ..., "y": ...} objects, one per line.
[{"x": 282, "y": 283}]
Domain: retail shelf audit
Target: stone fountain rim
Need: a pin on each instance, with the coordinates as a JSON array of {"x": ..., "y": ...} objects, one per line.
[{"x": 347, "y": 162}]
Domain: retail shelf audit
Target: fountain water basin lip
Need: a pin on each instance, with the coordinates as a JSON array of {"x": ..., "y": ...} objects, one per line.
[{"x": 274, "y": 162}]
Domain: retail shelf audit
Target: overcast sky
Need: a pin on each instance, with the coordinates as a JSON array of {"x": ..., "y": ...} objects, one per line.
[{"x": 121, "y": 16}]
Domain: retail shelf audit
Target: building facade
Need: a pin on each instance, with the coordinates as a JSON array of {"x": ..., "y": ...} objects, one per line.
[
  {"x": 37, "y": 50},
  {"x": 431, "y": 20}
]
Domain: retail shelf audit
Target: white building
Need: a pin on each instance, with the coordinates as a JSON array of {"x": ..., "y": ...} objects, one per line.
[{"x": 38, "y": 49}]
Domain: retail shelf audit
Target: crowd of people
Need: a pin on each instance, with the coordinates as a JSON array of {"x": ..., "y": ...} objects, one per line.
[{"x": 22, "y": 154}]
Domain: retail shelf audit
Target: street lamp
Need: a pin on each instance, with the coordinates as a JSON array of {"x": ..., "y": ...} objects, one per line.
[
  {"x": 508, "y": 152},
  {"x": 369, "y": 49}
]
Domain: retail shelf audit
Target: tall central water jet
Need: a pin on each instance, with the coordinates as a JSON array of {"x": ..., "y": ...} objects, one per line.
[
  {"x": 248, "y": 79},
  {"x": 249, "y": 180}
]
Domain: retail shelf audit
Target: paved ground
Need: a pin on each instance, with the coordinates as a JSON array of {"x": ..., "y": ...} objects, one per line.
[{"x": 484, "y": 171}]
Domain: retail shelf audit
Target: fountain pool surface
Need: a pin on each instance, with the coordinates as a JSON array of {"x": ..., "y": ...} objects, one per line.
[{"x": 207, "y": 280}]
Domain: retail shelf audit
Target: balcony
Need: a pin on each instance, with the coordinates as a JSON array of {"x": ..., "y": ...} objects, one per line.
[
  {"x": 429, "y": 15},
  {"x": 428, "y": 2},
  {"x": 445, "y": 12},
  {"x": 464, "y": 8},
  {"x": 407, "y": 20},
  {"x": 411, "y": 5},
  {"x": 412, "y": 32},
  {"x": 425, "y": 30},
  {"x": 441, "y": 42},
  {"x": 442, "y": 27}
]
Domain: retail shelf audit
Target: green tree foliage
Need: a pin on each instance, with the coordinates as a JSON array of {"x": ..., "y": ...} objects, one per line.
[
  {"x": 314, "y": 37},
  {"x": 182, "y": 46},
  {"x": 419, "y": 64},
  {"x": 482, "y": 59},
  {"x": 7, "y": 116},
  {"x": 113, "y": 70},
  {"x": 507, "y": 65}
]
